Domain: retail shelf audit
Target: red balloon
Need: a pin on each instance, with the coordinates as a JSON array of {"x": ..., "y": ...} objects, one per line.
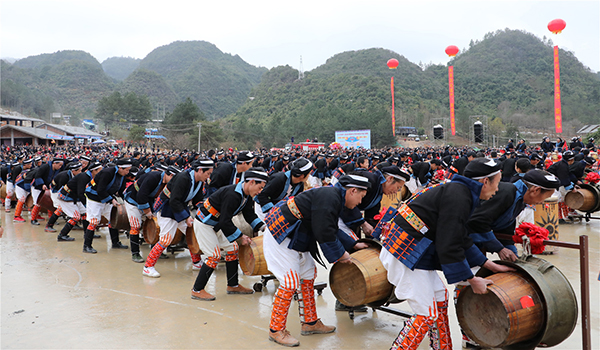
[
  {"x": 556, "y": 26},
  {"x": 393, "y": 63},
  {"x": 451, "y": 50}
]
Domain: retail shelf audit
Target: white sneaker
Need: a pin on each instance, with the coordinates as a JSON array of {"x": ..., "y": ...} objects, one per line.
[
  {"x": 150, "y": 272},
  {"x": 197, "y": 266}
]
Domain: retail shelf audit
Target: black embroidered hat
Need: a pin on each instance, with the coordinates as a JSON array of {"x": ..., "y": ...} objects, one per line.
[
  {"x": 542, "y": 178},
  {"x": 256, "y": 174},
  {"x": 480, "y": 168},
  {"x": 301, "y": 166},
  {"x": 355, "y": 181},
  {"x": 395, "y": 172},
  {"x": 245, "y": 156}
]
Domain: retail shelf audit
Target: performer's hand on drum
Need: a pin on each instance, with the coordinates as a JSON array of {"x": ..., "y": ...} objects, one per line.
[
  {"x": 244, "y": 240},
  {"x": 345, "y": 258},
  {"x": 361, "y": 245},
  {"x": 496, "y": 268},
  {"x": 479, "y": 284},
  {"x": 115, "y": 203},
  {"x": 367, "y": 228},
  {"x": 189, "y": 222},
  {"x": 148, "y": 213},
  {"x": 507, "y": 254}
]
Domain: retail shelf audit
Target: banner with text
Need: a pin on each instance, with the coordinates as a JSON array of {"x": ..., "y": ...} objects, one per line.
[{"x": 354, "y": 138}]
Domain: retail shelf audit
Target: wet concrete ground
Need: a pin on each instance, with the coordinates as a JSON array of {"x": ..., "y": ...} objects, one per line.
[{"x": 56, "y": 297}]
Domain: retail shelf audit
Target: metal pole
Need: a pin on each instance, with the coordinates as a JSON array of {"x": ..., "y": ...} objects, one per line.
[
  {"x": 585, "y": 292},
  {"x": 199, "y": 133}
]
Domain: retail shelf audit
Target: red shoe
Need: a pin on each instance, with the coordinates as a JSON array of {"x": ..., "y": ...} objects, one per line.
[
  {"x": 40, "y": 218},
  {"x": 18, "y": 219}
]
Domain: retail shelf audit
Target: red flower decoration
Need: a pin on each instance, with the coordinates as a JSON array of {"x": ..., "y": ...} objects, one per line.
[
  {"x": 536, "y": 235},
  {"x": 592, "y": 178},
  {"x": 380, "y": 215}
]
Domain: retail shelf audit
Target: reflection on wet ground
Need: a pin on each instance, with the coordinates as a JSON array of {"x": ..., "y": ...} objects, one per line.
[{"x": 56, "y": 297}]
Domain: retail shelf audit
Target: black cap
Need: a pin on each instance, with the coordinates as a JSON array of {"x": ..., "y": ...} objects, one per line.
[
  {"x": 172, "y": 170},
  {"x": 133, "y": 171},
  {"x": 542, "y": 179},
  {"x": 124, "y": 163},
  {"x": 84, "y": 158},
  {"x": 93, "y": 166},
  {"x": 480, "y": 168},
  {"x": 395, "y": 172},
  {"x": 256, "y": 174},
  {"x": 589, "y": 160},
  {"x": 203, "y": 163},
  {"x": 58, "y": 160},
  {"x": 74, "y": 166},
  {"x": 568, "y": 155},
  {"x": 245, "y": 156},
  {"x": 160, "y": 167},
  {"x": 535, "y": 156},
  {"x": 355, "y": 181},
  {"x": 301, "y": 166}
]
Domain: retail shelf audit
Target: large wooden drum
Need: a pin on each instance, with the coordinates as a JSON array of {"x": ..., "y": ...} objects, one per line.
[
  {"x": 513, "y": 311},
  {"x": 585, "y": 199},
  {"x": 3, "y": 194},
  {"x": 363, "y": 281},
  {"x": 45, "y": 201},
  {"x": 151, "y": 231},
  {"x": 252, "y": 258},
  {"x": 533, "y": 305},
  {"x": 546, "y": 216},
  {"x": 241, "y": 223},
  {"x": 118, "y": 218}
]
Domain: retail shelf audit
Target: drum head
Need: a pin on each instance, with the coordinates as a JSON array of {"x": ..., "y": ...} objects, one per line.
[{"x": 151, "y": 231}]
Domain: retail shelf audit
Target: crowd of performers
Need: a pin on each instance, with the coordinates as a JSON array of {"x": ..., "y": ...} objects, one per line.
[{"x": 308, "y": 206}]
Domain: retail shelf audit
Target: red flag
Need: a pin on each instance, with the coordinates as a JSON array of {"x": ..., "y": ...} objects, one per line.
[
  {"x": 393, "y": 110},
  {"x": 451, "y": 88},
  {"x": 557, "y": 109}
]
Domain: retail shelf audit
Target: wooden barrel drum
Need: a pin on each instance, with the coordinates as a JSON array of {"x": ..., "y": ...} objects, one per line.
[
  {"x": 514, "y": 311},
  {"x": 151, "y": 231},
  {"x": 118, "y": 218},
  {"x": 533, "y": 305},
  {"x": 252, "y": 258},
  {"x": 363, "y": 281},
  {"x": 585, "y": 199},
  {"x": 45, "y": 201}
]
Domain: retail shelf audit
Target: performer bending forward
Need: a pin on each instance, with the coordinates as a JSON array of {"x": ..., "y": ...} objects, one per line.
[
  {"x": 295, "y": 226},
  {"x": 429, "y": 234}
]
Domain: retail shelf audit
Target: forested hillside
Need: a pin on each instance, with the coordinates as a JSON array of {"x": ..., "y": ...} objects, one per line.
[
  {"x": 153, "y": 85},
  {"x": 119, "y": 68},
  {"x": 218, "y": 82},
  {"x": 70, "y": 82},
  {"x": 508, "y": 76}
]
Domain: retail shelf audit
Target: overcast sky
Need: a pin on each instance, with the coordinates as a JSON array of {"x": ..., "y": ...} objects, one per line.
[{"x": 273, "y": 33}]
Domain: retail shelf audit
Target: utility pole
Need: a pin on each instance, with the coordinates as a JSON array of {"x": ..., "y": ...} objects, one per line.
[{"x": 199, "y": 133}]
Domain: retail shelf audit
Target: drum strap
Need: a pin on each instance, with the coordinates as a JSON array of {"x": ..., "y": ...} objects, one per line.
[
  {"x": 215, "y": 213},
  {"x": 409, "y": 215},
  {"x": 291, "y": 204}
]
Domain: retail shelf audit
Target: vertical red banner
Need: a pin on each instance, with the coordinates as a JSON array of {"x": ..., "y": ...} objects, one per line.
[
  {"x": 557, "y": 109},
  {"x": 451, "y": 89},
  {"x": 393, "y": 110}
]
